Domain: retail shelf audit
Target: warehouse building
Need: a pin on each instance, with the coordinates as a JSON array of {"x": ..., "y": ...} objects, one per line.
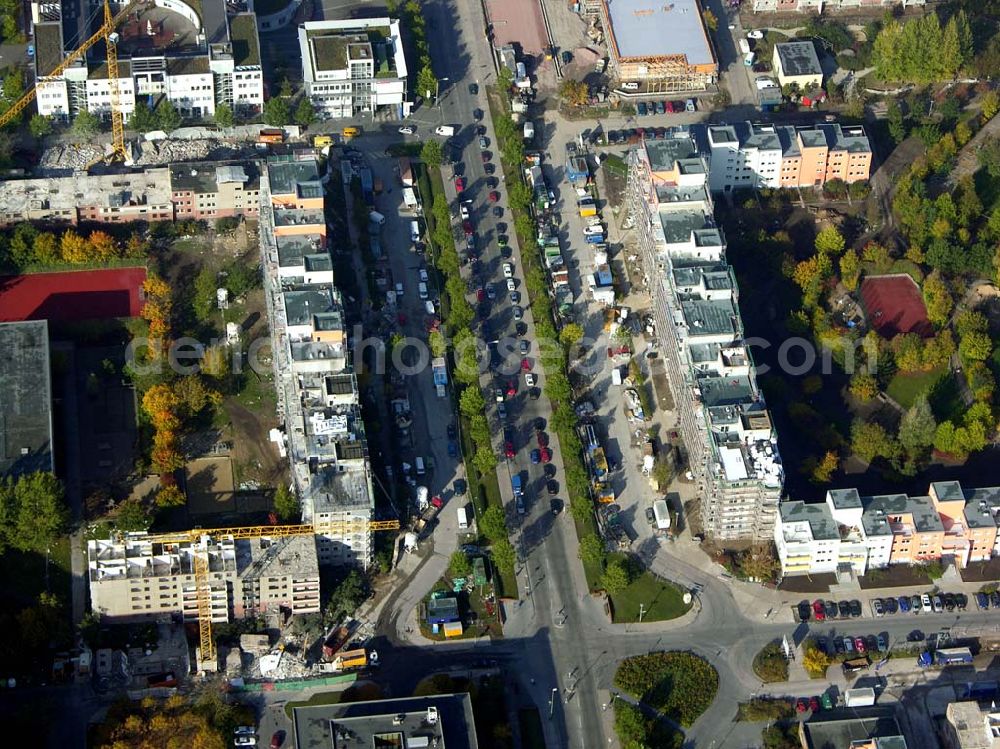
[{"x": 664, "y": 47}]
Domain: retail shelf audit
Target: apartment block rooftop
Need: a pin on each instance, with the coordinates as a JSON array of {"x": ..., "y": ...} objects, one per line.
[
  {"x": 303, "y": 305},
  {"x": 717, "y": 277},
  {"x": 441, "y": 721},
  {"x": 710, "y": 317},
  {"x": 798, "y": 58},
  {"x": 207, "y": 177},
  {"x": 845, "y": 499},
  {"x": 26, "y": 403},
  {"x": 863, "y": 727},
  {"x": 299, "y": 217},
  {"x": 286, "y": 176},
  {"x": 277, "y": 557},
  {"x": 643, "y": 30},
  {"x": 246, "y": 46},
  {"x": 299, "y": 249},
  {"x": 674, "y": 193},
  {"x": 663, "y": 154},
  {"x": 335, "y": 489},
  {"x": 817, "y": 515},
  {"x": 18, "y": 197},
  {"x": 850, "y": 138},
  {"x": 680, "y": 225}
]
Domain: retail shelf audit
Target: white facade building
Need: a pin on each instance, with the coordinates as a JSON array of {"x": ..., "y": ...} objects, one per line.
[
  {"x": 214, "y": 60},
  {"x": 752, "y": 161},
  {"x": 354, "y": 66}
]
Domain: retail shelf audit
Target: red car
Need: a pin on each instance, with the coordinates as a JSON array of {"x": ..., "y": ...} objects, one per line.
[
  {"x": 480, "y": 294},
  {"x": 546, "y": 455},
  {"x": 668, "y": 107},
  {"x": 511, "y": 388},
  {"x": 525, "y": 365},
  {"x": 543, "y": 439},
  {"x": 819, "y": 613},
  {"x": 859, "y": 644},
  {"x": 508, "y": 449},
  {"x": 801, "y": 706},
  {"x": 494, "y": 196},
  {"x": 814, "y": 704},
  {"x": 277, "y": 739},
  {"x": 459, "y": 184},
  {"x": 467, "y": 227},
  {"x": 486, "y": 157}
]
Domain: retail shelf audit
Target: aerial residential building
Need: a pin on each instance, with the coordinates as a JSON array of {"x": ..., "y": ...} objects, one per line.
[
  {"x": 756, "y": 155},
  {"x": 970, "y": 726},
  {"x": 134, "y": 578},
  {"x": 318, "y": 399},
  {"x": 26, "y": 400},
  {"x": 725, "y": 423},
  {"x": 796, "y": 63},
  {"x": 665, "y": 47},
  {"x": 950, "y": 524},
  {"x": 819, "y": 6},
  {"x": 197, "y": 190},
  {"x": 444, "y": 721},
  {"x": 872, "y": 727},
  {"x": 196, "y": 55},
  {"x": 354, "y": 66}
]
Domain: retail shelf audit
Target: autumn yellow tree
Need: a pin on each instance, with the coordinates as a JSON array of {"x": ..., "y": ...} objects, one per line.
[
  {"x": 102, "y": 245},
  {"x": 814, "y": 660},
  {"x": 156, "y": 312},
  {"x": 73, "y": 247},
  {"x": 170, "y": 496},
  {"x": 824, "y": 470}
]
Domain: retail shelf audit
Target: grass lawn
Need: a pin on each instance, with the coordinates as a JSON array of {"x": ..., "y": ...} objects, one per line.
[
  {"x": 468, "y": 602},
  {"x": 906, "y": 388},
  {"x": 660, "y": 598},
  {"x": 592, "y": 570},
  {"x": 530, "y": 722}
]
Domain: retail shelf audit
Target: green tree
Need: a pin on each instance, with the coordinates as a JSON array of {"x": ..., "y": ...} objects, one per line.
[
  {"x": 459, "y": 565},
  {"x": 437, "y": 343},
  {"x": 493, "y": 524},
  {"x": 167, "y": 116},
  {"x": 870, "y": 440},
  {"x": 86, "y": 125},
  {"x": 616, "y": 577},
  {"x": 432, "y": 153},
  {"x": 830, "y": 241},
  {"x": 286, "y": 504},
  {"x": 571, "y": 334},
  {"x": 591, "y": 549},
  {"x": 132, "y": 515},
  {"x": 471, "y": 402},
  {"x": 989, "y": 105},
  {"x": 574, "y": 93},
  {"x": 503, "y": 555},
  {"x": 346, "y": 597},
  {"x": 142, "y": 119},
  {"x": 204, "y": 299},
  {"x": 897, "y": 122},
  {"x": 850, "y": 270},
  {"x": 864, "y": 387},
  {"x": 917, "y": 427},
  {"x": 224, "y": 116},
  {"x": 427, "y": 82},
  {"x": 937, "y": 297},
  {"x": 484, "y": 460},
  {"x": 975, "y": 346},
  {"x": 40, "y": 126},
  {"x": 32, "y": 511},
  {"x": 276, "y": 112},
  {"x": 711, "y": 22},
  {"x": 305, "y": 112}
]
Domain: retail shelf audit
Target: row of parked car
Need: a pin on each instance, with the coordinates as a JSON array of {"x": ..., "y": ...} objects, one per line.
[
  {"x": 858, "y": 645},
  {"x": 936, "y": 602},
  {"x": 666, "y": 107},
  {"x": 823, "y": 610},
  {"x": 635, "y": 134}
]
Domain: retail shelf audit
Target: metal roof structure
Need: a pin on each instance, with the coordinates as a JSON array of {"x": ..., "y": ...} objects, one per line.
[
  {"x": 26, "y": 400},
  {"x": 641, "y": 28}
]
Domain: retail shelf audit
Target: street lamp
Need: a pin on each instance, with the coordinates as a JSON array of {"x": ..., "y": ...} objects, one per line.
[
  {"x": 642, "y": 610},
  {"x": 552, "y": 700}
]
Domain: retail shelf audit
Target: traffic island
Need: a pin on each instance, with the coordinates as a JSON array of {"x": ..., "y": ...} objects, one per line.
[
  {"x": 770, "y": 664},
  {"x": 462, "y": 608},
  {"x": 677, "y": 685}
]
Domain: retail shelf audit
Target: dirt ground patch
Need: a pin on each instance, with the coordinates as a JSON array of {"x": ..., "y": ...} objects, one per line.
[
  {"x": 254, "y": 457},
  {"x": 808, "y": 583},
  {"x": 896, "y": 576},
  {"x": 210, "y": 485},
  {"x": 981, "y": 572}
]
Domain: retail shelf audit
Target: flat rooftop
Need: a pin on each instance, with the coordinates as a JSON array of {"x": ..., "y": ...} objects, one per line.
[
  {"x": 641, "y": 28},
  {"x": 284, "y": 176},
  {"x": 277, "y": 557},
  {"x": 213, "y": 19},
  {"x": 388, "y": 724},
  {"x": 679, "y": 225},
  {"x": 818, "y": 516},
  {"x": 48, "y": 47},
  {"x": 246, "y": 42},
  {"x": 331, "y": 490},
  {"x": 709, "y": 317},
  {"x": 798, "y": 58},
  {"x": 26, "y": 403},
  {"x": 664, "y": 153},
  {"x": 302, "y": 305},
  {"x": 205, "y": 177},
  {"x": 299, "y": 217},
  {"x": 843, "y": 727}
]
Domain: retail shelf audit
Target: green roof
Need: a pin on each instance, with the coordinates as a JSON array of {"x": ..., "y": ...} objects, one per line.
[
  {"x": 48, "y": 47},
  {"x": 246, "y": 44},
  {"x": 330, "y": 52},
  {"x": 188, "y": 65}
]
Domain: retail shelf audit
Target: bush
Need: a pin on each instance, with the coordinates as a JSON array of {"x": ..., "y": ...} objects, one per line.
[
  {"x": 770, "y": 664},
  {"x": 764, "y": 709},
  {"x": 680, "y": 685}
]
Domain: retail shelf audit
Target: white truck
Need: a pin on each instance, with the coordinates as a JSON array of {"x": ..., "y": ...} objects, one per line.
[
  {"x": 529, "y": 131},
  {"x": 463, "y": 519},
  {"x": 446, "y": 130},
  {"x": 859, "y": 697},
  {"x": 744, "y": 47}
]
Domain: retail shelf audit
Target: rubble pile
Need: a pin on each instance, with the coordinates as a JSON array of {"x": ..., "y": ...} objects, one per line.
[{"x": 70, "y": 156}]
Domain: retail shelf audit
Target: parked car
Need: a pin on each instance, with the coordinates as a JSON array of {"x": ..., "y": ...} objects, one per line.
[
  {"x": 546, "y": 454},
  {"x": 904, "y": 604},
  {"x": 844, "y": 609},
  {"x": 497, "y": 211},
  {"x": 859, "y": 644},
  {"x": 407, "y": 130},
  {"x": 982, "y": 601},
  {"x": 801, "y": 705},
  {"x": 830, "y": 607},
  {"x": 529, "y": 380},
  {"x": 871, "y": 642},
  {"x": 486, "y": 156},
  {"x": 891, "y": 606},
  {"x": 642, "y": 109},
  {"x": 650, "y": 516},
  {"x": 484, "y": 142},
  {"x": 995, "y": 599},
  {"x": 459, "y": 184},
  {"x": 949, "y": 601},
  {"x": 543, "y": 439},
  {"x": 915, "y": 636},
  {"x": 552, "y": 487},
  {"x": 937, "y": 604},
  {"x": 277, "y": 739},
  {"x": 660, "y": 108},
  {"x": 818, "y": 612},
  {"x": 848, "y": 645},
  {"x": 814, "y": 704},
  {"x": 915, "y": 604},
  {"x": 517, "y": 311},
  {"x": 494, "y": 196},
  {"x": 925, "y": 602},
  {"x": 882, "y": 642},
  {"x": 523, "y": 347},
  {"x": 535, "y": 456},
  {"x": 962, "y": 601},
  {"x": 491, "y": 291},
  {"x": 877, "y": 607},
  {"x": 805, "y": 611},
  {"x": 855, "y": 608},
  {"x": 838, "y": 646},
  {"x": 508, "y": 449}
]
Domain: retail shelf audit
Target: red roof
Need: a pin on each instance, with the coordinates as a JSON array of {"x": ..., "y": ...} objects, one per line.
[{"x": 72, "y": 295}]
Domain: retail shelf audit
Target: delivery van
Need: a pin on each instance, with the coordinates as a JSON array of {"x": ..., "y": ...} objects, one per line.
[
  {"x": 463, "y": 519},
  {"x": 414, "y": 231},
  {"x": 421, "y": 468},
  {"x": 446, "y": 130}
]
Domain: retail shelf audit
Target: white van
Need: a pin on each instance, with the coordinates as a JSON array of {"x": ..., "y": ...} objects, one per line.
[
  {"x": 429, "y": 308},
  {"x": 414, "y": 231},
  {"x": 463, "y": 519},
  {"x": 661, "y": 514},
  {"x": 447, "y": 130},
  {"x": 422, "y": 290},
  {"x": 421, "y": 468},
  {"x": 376, "y": 218}
]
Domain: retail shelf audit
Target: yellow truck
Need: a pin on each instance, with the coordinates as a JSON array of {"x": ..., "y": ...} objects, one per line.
[
  {"x": 587, "y": 207},
  {"x": 351, "y": 132},
  {"x": 322, "y": 141},
  {"x": 350, "y": 659}
]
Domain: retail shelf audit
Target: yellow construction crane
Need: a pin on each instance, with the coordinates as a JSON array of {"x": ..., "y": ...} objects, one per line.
[
  {"x": 201, "y": 568},
  {"x": 110, "y": 37}
]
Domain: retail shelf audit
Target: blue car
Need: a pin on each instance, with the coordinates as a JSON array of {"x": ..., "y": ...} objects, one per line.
[
  {"x": 642, "y": 109},
  {"x": 452, "y": 449},
  {"x": 904, "y": 604},
  {"x": 982, "y": 600},
  {"x": 536, "y": 456}
]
